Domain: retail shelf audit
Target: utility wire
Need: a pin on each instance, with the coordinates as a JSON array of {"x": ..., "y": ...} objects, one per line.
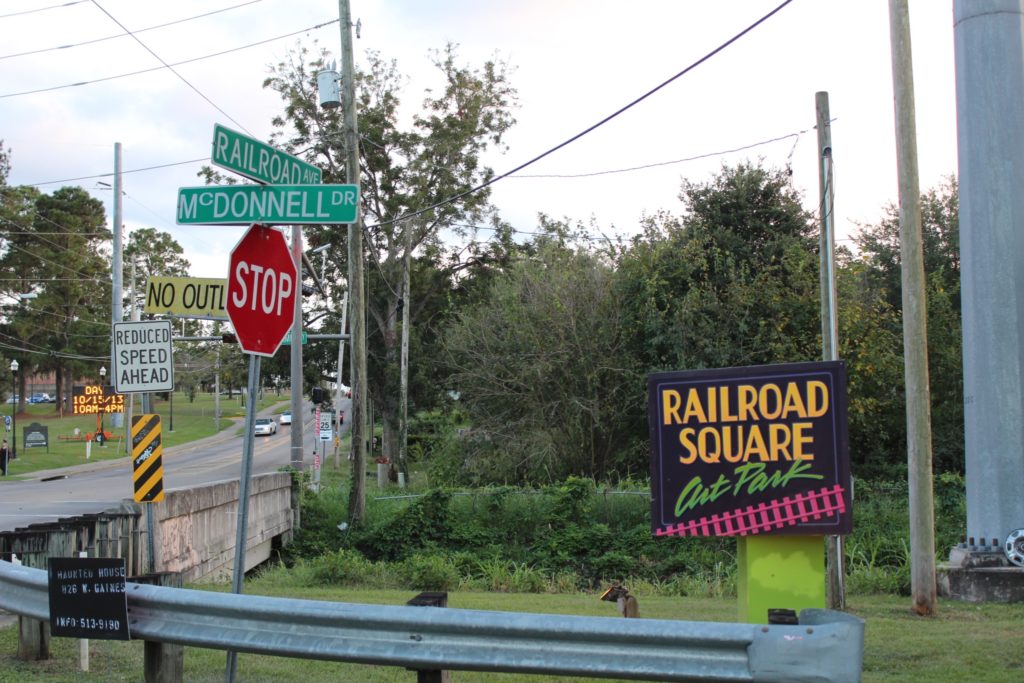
[
  {"x": 41, "y": 9},
  {"x": 122, "y": 35},
  {"x": 108, "y": 175},
  {"x": 663, "y": 163},
  {"x": 170, "y": 66},
  {"x": 173, "y": 71},
  {"x": 597, "y": 125}
]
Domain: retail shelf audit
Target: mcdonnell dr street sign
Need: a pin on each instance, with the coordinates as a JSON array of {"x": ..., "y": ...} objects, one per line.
[
  {"x": 260, "y": 162},
  {"x": 267, "y": 204}
]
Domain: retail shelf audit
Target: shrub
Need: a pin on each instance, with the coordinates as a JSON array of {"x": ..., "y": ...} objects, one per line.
[
  {"x": 340, "y": 568},
  {"x": 428, "y": 572}
]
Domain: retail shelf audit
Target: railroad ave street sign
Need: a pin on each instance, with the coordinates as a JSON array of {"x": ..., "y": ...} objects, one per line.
[
  {"x": 189, "y": 297},
  {"x": 262, "y": 288},
  {"x": 268, "y": 204},
  {"x": 142, "y": 357},
  {"x": 258, "y": 161}
]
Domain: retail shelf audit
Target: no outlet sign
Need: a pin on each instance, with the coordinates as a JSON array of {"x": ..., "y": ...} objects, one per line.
[{"x": 262, "y": 284}]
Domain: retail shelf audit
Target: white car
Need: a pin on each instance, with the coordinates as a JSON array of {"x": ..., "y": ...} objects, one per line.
[
  {"x": 265, "y": 427},
  {"x": 286, "y": 417}
]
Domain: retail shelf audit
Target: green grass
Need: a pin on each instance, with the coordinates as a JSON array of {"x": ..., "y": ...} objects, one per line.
[
  {"x": 191, "y": 420},
  {"x": 964, "y": 642}
]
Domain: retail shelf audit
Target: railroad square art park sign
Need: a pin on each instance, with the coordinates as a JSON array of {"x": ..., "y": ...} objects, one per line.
[{"x": 754, "y": 450}]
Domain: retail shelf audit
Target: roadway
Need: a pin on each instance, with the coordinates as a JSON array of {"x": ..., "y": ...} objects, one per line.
[{"x": 47, "y": 496}]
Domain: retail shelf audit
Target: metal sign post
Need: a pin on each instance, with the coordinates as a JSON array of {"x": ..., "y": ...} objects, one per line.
[{"x": 238, "y": 572}]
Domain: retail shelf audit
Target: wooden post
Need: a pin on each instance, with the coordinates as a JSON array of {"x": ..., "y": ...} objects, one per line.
[
  {"x": 915, "y": 326},
  {"x": 357, "y": 327},
  {"x": 835, "y": 590},
  {"x": 33, "y": 639},
  {"x": 431, "y": 599},
  {"x": 162, "y": 662}
]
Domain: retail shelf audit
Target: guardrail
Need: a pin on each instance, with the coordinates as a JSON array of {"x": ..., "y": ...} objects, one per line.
[{"x": 825, "y": 646}]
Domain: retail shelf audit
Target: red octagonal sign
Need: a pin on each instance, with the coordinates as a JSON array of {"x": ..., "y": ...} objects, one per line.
[{"x": 262, "y": 287}]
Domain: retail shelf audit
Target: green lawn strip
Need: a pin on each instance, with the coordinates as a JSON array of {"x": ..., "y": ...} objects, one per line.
[
  {"x": 191, "y": 420},
  {"x": 965, "y": 642}
]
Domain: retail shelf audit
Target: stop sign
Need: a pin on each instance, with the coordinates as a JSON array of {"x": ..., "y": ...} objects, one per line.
[{"x": 262, "y": 286}]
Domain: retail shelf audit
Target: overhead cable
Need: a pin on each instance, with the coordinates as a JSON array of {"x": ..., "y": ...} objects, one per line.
[
  {"x": 122, "y": 35},
  {"x": 592, "y": 128}
]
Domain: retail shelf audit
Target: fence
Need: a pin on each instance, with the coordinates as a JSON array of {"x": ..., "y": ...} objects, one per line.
[{"x": 825, "y": 646}]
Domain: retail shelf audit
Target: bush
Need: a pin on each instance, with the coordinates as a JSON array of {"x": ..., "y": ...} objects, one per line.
[
  {"x": 428, "y": 572},
  {"x": 341, "y": 568},
  {"x": 573, "y": 535}
]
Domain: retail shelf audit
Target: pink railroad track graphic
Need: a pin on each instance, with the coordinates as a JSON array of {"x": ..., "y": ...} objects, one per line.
[{"x": 774, "y": 514}]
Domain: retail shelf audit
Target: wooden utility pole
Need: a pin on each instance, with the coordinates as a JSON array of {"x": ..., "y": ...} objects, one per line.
[
  {"x": 403, "y": 408},
  {"x": 357, "y": 327},
  {"x": 835, "y": 592},
  {"x": 915, "y": 328}
]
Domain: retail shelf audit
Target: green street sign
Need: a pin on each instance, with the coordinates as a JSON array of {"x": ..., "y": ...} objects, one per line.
[
  {"x": 259, "y": 161},
  {"x": 267, "y": 204},
  {"x": 288, "y": 338}
]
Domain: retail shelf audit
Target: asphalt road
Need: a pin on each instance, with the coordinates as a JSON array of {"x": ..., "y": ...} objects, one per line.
[{"x": 96, "y": 487}]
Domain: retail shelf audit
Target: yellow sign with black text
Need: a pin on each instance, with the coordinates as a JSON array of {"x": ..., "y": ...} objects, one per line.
[
  {"x": 188, "y": 297},
  {"x": 147, "y": 459}
]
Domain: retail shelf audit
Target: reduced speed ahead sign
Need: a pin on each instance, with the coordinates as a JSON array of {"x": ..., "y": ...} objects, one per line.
[{"x": 262, "y": 286}]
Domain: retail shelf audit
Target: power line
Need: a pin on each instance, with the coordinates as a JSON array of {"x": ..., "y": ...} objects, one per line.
[
  {"x": 41, "y": 9},
  {"x": 108, "y": 175},
  {"x": 592, "y": 128},
  {"x": 173, "y": 71},
  {"x": 666, "y": 163},
  {"x": 169, "y": 66},
  {"x": 122, "y": 35}
]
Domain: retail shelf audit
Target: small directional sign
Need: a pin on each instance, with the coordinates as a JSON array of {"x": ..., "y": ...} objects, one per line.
[
  {"x": 147, "y": 459},
  {"x": 268, "y": 204}
]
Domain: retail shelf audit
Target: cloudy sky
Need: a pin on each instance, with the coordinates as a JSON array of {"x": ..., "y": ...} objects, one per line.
[{"x": 576, "y": 62}]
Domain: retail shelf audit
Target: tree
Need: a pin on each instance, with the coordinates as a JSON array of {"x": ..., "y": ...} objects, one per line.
[
  {"x": 420, "y": 166},
  {"x": 879, "y": 247},
  {"x": 731, "y": 282},
  {"x": 55, "y": 254},
  {"x": 541, "y": 371},
  {"x": 154, "y": 253}
]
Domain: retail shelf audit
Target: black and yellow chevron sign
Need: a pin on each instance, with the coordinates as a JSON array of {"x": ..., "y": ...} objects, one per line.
[{"x": 147, "y": 459}]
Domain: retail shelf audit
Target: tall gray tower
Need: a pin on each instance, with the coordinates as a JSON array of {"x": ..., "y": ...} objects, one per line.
[{"x": 989, "y": 42}]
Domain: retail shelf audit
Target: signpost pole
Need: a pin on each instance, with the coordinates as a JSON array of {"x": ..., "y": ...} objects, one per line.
[{"x": 238, "y": 572}]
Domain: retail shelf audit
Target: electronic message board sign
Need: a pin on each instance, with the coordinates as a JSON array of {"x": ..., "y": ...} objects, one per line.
[
  {"x": 94, "y": 399},
  {"x": 754, "y": 450}
]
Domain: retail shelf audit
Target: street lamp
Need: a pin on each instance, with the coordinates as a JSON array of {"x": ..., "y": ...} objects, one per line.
[
  {"x": 103, "y": 375},
  {"x": 14, "y": 408}
]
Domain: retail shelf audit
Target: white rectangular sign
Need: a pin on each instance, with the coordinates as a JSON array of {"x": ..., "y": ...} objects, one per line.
[
  {"x": 142, "y": 357},
  {"x": 326, "y": 428}
]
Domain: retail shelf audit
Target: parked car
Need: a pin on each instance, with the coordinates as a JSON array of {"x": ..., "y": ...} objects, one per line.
[
  {"x": 39, "y": 398},
  {"x": 286, "y": 417},
  {"x": 265, "y": 426},
  {"x": 12, "y": 400}
]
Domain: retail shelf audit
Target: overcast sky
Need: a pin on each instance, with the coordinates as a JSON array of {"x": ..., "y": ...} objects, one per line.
[{"x": 576, "y": 61}]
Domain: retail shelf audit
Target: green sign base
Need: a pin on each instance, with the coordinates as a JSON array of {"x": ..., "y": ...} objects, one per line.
[{"x": 785, "y": 572}]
